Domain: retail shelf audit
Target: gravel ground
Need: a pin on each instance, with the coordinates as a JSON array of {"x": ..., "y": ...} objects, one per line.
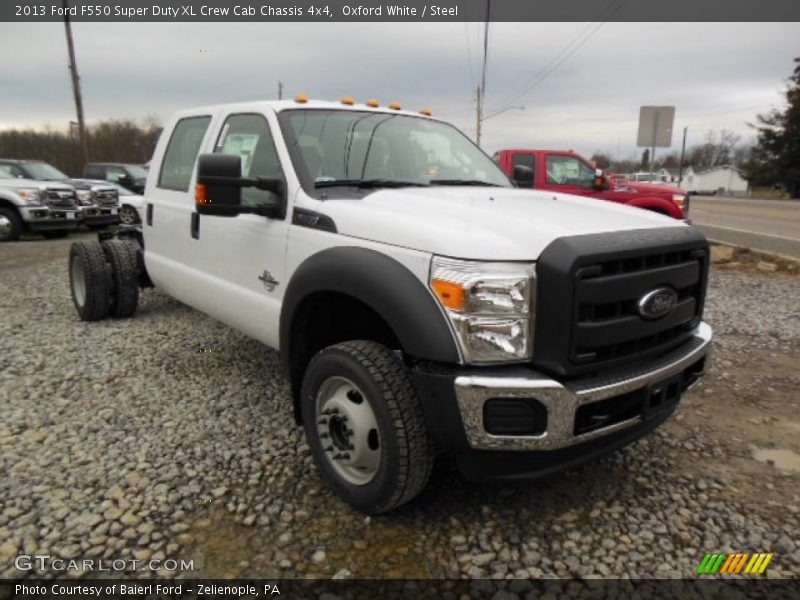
[{"x": 170, "y": 436}]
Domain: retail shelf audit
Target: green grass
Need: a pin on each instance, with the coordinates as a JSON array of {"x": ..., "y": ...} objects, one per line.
[{"x": 769, "y": 193}]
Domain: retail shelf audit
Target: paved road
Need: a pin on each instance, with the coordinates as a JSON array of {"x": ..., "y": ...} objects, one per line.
[{"x": 769, "y": 225}]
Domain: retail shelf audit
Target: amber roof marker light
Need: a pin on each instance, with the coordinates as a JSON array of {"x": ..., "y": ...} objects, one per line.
[
  {"x": 373, "y": 103},
  {"x": 301, "y": 98}
]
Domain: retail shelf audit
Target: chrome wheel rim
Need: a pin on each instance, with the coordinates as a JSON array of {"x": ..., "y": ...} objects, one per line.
[
  {"x": 348, "y": 430},
  {"x": 78, "y": 283},
  {"x": 127, "y": 215},
  {"x": 5, "y": 227}
]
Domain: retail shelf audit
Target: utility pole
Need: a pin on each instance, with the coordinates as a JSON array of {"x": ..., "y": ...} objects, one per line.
[
  {"x": 76, "y": 84},
  {"x": 683, "y": 153},
  {"x": 482, "y": 87},
  {"x": 280, "y": 90},
  {"x": 479, "y": 116}
]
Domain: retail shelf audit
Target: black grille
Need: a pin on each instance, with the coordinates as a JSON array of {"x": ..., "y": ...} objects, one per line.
[
  {"x": 594, "y": 323},
  {"x": 61, "y": 198},
  {"x": 106, "y": 197}
]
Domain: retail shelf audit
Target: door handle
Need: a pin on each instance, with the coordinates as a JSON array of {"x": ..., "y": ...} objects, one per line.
[{"x": 194, "y": 226}]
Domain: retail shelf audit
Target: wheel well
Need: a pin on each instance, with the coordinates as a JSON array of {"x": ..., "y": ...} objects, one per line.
[
  {"x": 326, "y": 318},
  {"x": 8, "y": 204}
]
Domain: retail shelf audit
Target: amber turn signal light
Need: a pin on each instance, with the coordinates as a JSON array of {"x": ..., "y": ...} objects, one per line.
[
  {"x": 200, "y": 194},
  {"x": 450, "y": 294}
]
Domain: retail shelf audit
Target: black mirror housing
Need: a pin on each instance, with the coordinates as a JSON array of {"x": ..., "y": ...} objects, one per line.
[
  {"x": 522, "y": 176},
  {"x": 220, "y": 183}
]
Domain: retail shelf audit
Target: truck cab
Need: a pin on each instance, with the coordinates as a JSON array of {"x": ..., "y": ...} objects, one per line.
[
  {"x": 130, "y": 176},
  {"x": 568, "y": 172},
  {"x": 419, "y": 301}
]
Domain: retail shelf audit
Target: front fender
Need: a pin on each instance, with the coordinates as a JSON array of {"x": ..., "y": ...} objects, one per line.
[
  {"x": 657, "y": 204},
  {"x": 383, "y": 284}
]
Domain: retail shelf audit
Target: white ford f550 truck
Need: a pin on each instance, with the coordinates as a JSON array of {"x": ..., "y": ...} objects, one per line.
[{"x": 420, "y": 303}]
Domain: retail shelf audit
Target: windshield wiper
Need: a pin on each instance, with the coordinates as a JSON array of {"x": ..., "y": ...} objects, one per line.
[
  {"x": 475, "y": 182},
  {"x": 368, "y": 183}
]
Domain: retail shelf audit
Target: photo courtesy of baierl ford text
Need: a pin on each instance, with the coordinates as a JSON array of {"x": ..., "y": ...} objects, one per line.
[{"x": 475, "y": 299}]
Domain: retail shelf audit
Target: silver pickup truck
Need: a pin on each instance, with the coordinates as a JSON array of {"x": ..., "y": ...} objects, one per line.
[
  {"x": 98, "y": 201},
  {"x": 33, "y": 206}
]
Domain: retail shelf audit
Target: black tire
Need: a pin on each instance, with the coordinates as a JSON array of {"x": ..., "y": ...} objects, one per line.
[
  {"x": 90, "y": 280},
  {"x": 128, "y": 215},
  {"x": 122, "y": 256},
  {"x": 56, "y": 234},
  {"x": 406, "y": 449},
  {"x": 10, "y": 231}
]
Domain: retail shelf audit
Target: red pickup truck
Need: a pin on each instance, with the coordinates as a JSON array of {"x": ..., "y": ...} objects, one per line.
[{"x": 570, "y": 173}]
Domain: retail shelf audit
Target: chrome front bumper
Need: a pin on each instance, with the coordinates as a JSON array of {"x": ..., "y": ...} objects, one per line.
[{"x": 562, "y": 401}]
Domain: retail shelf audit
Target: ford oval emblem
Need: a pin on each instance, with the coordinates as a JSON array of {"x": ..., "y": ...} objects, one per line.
[{"x": 657, "y": 303}]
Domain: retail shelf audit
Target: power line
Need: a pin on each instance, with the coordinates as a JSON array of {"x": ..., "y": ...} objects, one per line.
[{"x": 614, "y": 6}]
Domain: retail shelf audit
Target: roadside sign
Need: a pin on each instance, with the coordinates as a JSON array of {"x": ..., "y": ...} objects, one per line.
[{"x": 655, "y": 126}]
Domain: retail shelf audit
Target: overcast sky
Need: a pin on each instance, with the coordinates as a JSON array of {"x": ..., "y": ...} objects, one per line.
[{"x": 717, "y": 75}]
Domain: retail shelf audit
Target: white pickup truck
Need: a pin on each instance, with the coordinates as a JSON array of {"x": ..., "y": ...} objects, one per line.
[{"x": 420, "y": 303}]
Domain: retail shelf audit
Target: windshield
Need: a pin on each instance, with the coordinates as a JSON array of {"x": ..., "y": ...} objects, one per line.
[
  {"x": 37, "y": 170},
  {"x": 341, "y": 147},
  {"x": 136, "y": 171}
]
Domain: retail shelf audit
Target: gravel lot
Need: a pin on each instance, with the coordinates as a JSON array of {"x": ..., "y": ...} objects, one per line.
[{"x": 170, "y": 436}]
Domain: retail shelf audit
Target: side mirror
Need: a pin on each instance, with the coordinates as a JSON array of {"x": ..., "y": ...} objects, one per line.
[
  {"x": 522, "y": 176},
  {"x": 219, "y": 187}
]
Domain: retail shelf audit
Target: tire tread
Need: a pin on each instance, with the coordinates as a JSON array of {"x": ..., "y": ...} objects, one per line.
[
  {"x": 121, "y": 255},
  {"x": 98, "y": 280},
  {"x": 415, "y": 447}
]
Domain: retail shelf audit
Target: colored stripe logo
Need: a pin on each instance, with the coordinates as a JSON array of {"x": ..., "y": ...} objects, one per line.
[{"x": 742, "y": 562}]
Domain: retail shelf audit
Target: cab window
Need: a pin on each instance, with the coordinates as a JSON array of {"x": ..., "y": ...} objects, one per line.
[
  {"x": 248, "y": 136},
  {"x": 9, "y": 171},
  {"x": 181, "y": 154},
  {"x": 568, "y": 170},
  {"x": 114, "y": 173}
]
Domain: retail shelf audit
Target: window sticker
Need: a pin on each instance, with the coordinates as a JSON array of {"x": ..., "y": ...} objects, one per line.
[{"x": 243, "y": 145}]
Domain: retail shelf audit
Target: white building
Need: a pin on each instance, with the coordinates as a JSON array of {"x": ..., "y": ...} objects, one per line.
[{"x": 723, "y": 180}]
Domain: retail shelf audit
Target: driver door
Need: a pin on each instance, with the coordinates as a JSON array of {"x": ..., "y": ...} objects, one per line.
[
  {"x": 568, "y": 174},
  {"x": 243, "y": 257}
]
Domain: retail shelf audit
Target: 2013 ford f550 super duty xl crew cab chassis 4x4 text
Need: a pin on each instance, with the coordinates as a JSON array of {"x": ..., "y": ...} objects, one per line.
[{"x": 418, "y": 300}]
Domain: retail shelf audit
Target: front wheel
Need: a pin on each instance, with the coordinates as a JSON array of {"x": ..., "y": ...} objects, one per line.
[
  {"x": 365, "y": 425},
  {"x": 10, "y": 225},
  {"x": 128, "y": 215}
]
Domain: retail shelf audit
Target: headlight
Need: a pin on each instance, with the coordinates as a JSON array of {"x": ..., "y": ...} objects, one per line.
[
  {"x": 31, "y": 196},
  {"x": 489, "y": 305},
  {"x": 679, "y": 199},
  {"x": 84, "y": 197}
]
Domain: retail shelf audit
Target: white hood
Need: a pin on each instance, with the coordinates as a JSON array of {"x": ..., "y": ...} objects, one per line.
[
  {"x": 481, "y": 223},
  {"x": 19, "y": 182}
]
